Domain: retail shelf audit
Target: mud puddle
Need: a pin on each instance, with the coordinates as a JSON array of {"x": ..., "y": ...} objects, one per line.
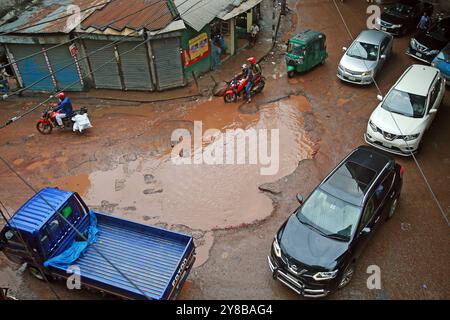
[{"x": 154, "y": 190}]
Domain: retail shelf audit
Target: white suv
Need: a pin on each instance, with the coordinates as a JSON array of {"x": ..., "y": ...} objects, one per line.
[{"x": 398, "y": 123}]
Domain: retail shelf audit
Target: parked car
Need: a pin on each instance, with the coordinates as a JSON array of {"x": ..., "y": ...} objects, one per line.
[
  {"x": 403, "y": 17},
  {"x": 399, "y": 122},
  {"x": 315, "y": 252},
  {"x": 426, "y": 45},
  {"x": 144, "y": 262},
  {"x": 442, "y": 62},
  {"x": 365, "y": 57}
]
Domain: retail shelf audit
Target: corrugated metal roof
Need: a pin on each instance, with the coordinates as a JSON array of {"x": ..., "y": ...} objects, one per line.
[
  {"x": 36, "y": 211},
  {"x": 49, "y": 10},
  {"x": 245, "y": 6},
  {"x": 198, "y": 13},
  {"x": 153, "y": 15}
]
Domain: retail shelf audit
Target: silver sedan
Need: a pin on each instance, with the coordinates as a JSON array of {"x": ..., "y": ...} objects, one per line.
[{"x": 365, "y": 57}]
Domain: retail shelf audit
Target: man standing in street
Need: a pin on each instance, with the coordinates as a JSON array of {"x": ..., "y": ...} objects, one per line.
[{"x": 424, "y": 22}]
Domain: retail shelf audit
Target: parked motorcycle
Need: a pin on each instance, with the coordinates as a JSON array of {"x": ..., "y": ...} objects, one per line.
[
  {"x": 236, "y": 88},
  {"x": 47, "y": 121}
]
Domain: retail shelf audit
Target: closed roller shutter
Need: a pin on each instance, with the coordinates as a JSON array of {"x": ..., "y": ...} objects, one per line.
[
  {"x": 59, "y": 58},
  {"x": 103, "y": 64},
  {"x": 32, "y": 69},
  {"x": 135, "y": 68},
  {"x": 168, "y": 65}
]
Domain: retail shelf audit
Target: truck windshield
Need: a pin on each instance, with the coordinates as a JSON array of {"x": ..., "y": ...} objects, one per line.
[{"x": 296, "y": 49}]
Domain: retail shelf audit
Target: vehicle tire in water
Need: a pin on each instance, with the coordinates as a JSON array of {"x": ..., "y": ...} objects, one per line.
[
  {"x": 44, "y": 128},
  {"x": 347, "y": 276},
  {"x": 291, "y": 74},
  {"x": 230, "y": 97},
  {"x": 393, "y": 207},
  {"x": 35, "y": 272}
]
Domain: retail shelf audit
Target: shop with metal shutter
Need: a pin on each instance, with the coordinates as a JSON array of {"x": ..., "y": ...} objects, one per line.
[
  {"x": 103, "y": 64},
  {"x": 168, "y": 63},
  {"x": 134, "y": 64},
  {"x": 69, "y": 78},
  {"x": 33, "y": 70}
]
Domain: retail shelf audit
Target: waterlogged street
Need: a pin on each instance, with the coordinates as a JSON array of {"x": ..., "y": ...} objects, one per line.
[{"x": 123, "y": 166}]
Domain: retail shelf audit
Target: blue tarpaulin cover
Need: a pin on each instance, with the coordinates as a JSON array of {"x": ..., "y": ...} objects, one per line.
[{"x": 70, "y": 255}]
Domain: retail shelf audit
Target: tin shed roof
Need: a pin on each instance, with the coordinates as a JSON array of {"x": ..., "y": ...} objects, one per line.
[
  {"x": 36, "y": 211},
  {"x": 120, "y": 14},
  {"x": 43, "y": 14},
  {"x": 198, "y": 13}
]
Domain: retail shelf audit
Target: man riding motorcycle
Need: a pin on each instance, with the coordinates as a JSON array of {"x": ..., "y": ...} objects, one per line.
[
  {"x": 256, "y": 68},
  {"x": 247, "y": 74},
  {"x": 64, "y": 109}
]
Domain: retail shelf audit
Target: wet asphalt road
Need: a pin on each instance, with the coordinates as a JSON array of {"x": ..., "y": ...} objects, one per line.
[{"x": 411, "y": 249}]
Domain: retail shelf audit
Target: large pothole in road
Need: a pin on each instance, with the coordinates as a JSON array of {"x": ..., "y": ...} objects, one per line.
[{"x": 204, "y": 197}]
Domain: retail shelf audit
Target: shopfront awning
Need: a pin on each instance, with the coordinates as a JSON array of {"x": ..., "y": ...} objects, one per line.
[{"x": 245, "y": 6}]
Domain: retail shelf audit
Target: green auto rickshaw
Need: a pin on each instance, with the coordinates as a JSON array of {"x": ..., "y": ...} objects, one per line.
[{"x": 305, "y": 50}]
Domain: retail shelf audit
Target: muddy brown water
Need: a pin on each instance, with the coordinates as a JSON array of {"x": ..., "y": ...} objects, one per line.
[{"x": 203, "y": 196}]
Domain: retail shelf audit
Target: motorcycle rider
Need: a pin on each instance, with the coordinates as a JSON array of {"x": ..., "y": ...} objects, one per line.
[
  {"x": 64, "y": 109},
  {"x": 256, "y": 68},
  {"x": 247, "y": 74}
]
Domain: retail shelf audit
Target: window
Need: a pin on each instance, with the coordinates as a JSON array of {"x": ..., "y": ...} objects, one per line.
[
  {"x": 369, "y": 211},
  {"x": 384, "y": 45},
  {"x": 382, "y": 190},
  {"x": 363, "y": 51},
  {"x": 434, "y": 93},
  {"x": 404, "y": 103}
]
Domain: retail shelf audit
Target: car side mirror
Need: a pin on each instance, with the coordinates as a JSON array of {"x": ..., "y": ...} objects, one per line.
[
  {"x": 366, "y": 230},
  {"x": 299, "y": 198},
  {"x": 432, "y": 111},
  {"x": 380, "y": 97},
  {"x": 344, "y": 49},
  {"x": 383, "y": 56}
]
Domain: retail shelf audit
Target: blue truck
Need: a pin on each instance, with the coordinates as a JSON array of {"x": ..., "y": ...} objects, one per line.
[{"x": 117, "y": 256}]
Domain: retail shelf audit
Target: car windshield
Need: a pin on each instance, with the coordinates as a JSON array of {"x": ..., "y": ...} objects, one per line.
[
  {"x": 330, "y": 215},
  {"x": 296, "y": 49},
  {"x": 399, "y": 9},
  {"x": 364, "y": 51},
  {"x": 404, "y": 103},
  {"x": 444, "y": 55}
]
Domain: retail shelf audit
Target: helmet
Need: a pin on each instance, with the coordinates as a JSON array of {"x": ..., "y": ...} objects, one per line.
[
  {"x": 244, "y": 66},
  {"x": 61, "y": 95},
  {"x": 252, "y": 60}
]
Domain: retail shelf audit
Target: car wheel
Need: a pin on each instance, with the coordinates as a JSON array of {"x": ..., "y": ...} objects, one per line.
[
  {"x": 393, "y": 207},
  {"x": 347, "y": 276},
  {"x": 291, "y": 74},
  {"x": 35, "y": 272}
]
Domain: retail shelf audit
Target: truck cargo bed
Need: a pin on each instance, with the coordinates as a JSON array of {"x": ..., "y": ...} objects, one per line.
[{"x": 152, "y": 259}]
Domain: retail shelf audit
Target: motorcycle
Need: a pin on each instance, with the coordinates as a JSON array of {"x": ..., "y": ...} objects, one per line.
[
  {"x": 236, "y": 88},
  {"x": 48, "y": 121}
]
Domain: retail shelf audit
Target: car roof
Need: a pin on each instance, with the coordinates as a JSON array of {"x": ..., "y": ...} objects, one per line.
[
  {"x": 39, "y": 209},
  {"x": 417, "y": 79},
  {"x": 371, "y": 36},
  {"x": 352, "y": 179}
]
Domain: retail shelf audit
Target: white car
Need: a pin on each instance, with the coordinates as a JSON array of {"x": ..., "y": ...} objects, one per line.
[{"x": 399, "y": 122}]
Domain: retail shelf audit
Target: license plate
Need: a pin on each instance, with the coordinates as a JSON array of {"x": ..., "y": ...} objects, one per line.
[
  {"x": 351, "y": 78},
  {"x": 418, "y": 54}
]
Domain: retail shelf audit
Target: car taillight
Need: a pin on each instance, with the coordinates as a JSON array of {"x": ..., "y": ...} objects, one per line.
[{"x": 402, "y": 170}]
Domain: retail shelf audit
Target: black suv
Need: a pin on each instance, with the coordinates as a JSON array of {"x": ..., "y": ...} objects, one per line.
[
  {"x": 315, "y": 251},
  {"x": 403, "y": 16},
  {"x": 425, "y": 46}
]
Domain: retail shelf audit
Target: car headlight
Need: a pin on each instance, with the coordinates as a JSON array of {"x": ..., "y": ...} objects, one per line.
[
  {"x": 367, "y": 73},
  {"x": 325, "y": 275},
  {"x": 411, "y": 137},
  {"x": 276, "y": 248},
  {"x": 396, "y": 26},
  {"x": 433, "y": 52},
  {"x": 413, "y": 43},
  {"x": 373, "y": 126}
]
